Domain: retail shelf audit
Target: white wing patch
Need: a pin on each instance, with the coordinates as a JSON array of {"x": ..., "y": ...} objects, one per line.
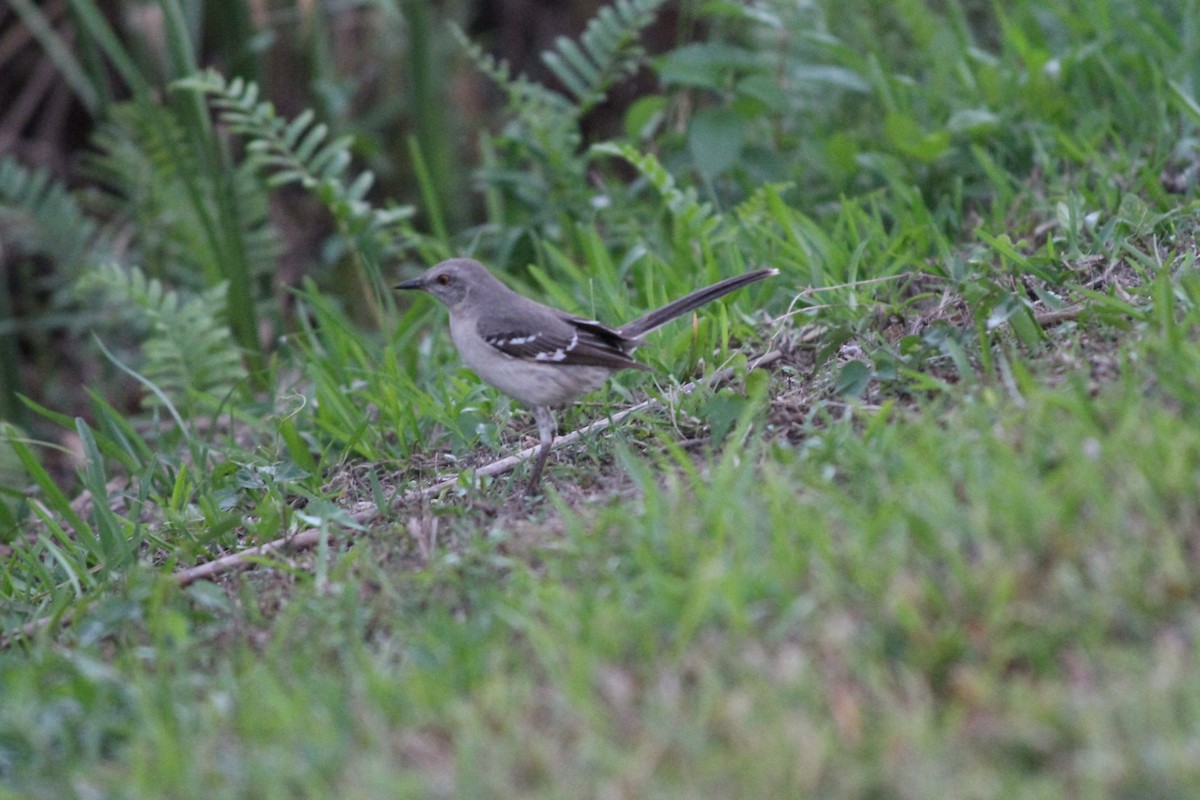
[{"x": 561, "y": 353}]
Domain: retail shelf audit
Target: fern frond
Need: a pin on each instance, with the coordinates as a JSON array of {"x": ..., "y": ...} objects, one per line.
[
  {"x": 550, "y": 117},
  {"x": 692, "y": 218},
  {"x": 537, "y": 160},
  {"x": 142, "y": 152},
  {"x": 132, "y": 156},
  {"x": 42, "y": 216},
  {"x": 187, "y": 350},
  {"x": 301, "y": 151},
  {"x": 608, "y": 50}
]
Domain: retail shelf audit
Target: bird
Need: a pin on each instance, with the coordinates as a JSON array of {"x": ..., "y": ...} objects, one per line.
[{"x": 537, "y": 354}]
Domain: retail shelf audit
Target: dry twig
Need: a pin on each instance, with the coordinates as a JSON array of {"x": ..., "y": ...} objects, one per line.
[{"x": 305, "y": 539}]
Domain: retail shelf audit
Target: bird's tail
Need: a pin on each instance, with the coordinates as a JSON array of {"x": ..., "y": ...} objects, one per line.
[{"x": 656, "y": 319}]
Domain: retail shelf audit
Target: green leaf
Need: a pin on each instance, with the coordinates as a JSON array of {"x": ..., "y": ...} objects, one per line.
[
  {"x": 1002, "y": 311},
  {"x": 1185, "y": 100},
  {"x": 715, "y": 140},
  {"x": 908, "y": 138},
  {"x": 972, "y": 121},
  {"x": 853, "y": 378},
  {"x": 644, "y": 116},
  {"x": 705, "y": 65},
  {"x": 766, "y": 91},
  {"x": 758, "y": 385},
  {"x": 721, "y": 412},
  {"x": 836, "y": 77}
]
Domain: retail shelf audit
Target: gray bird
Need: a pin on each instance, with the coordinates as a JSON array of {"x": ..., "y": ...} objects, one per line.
[{"x": 539, "y": 355}]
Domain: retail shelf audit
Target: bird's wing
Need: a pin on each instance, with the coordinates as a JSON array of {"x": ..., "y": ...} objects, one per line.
[{"x": 554, "y": 338}]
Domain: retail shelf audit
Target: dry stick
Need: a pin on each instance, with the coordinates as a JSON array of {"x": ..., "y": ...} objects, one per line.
[
  {"x": 308, "y": 538},
  {"x": 311, "y": 536},
  {"x": 1048, "y": 319},
  {"x": 241, "y": 559},
  {"x": 506, "y": 464},
  {"x": 206, "y": 571},
  {"x": 244, "y": 558}
]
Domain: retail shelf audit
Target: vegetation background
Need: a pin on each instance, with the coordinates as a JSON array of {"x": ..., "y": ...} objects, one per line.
[{"x": 944, "y": 542}]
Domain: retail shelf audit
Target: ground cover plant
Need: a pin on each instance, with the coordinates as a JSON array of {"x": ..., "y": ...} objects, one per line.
[{"x": 918, "y": 517}]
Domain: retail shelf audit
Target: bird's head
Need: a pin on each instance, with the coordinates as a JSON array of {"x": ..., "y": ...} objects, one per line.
[{"x": 451, "y": 281}]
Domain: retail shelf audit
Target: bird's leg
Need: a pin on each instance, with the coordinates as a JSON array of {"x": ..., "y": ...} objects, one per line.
[{"x": 546, "y": 427}]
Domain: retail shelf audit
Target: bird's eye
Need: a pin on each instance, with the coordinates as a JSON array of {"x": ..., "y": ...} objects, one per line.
[{"x": 443, "y": 279}]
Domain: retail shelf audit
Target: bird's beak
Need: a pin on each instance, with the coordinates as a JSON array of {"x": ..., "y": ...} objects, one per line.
[{"x": 412, "y": 283}]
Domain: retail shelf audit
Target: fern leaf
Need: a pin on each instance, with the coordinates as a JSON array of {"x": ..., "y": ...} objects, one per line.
[
  {"x": 693, "y": 219},
  {"x": 187, "y": 351},
  {"x": 535, "y": 160},
  {"x": 142, "y": 152},
  {"x": 608, "y": 50},
  {"x": 300, "y": 151},
  {"x": 40, "y": 214},
  {"x": 531, "y": 102},
  {"x": 291, "y": 134},
  {"x": 571, "y": 66}
]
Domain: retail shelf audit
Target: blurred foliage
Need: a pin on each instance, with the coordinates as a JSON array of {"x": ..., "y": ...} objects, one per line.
[
  {"x": 984, "y": 219},
  {"x": 346, "y": 135}
]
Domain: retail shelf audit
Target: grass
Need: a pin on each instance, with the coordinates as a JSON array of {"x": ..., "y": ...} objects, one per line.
[
  {"x": 948, "y": 547},
  {"x": 999, "y": 598}
]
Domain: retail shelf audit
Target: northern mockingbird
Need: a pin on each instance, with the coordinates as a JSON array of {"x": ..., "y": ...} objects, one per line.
[{"x": 540, "y": 355}]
